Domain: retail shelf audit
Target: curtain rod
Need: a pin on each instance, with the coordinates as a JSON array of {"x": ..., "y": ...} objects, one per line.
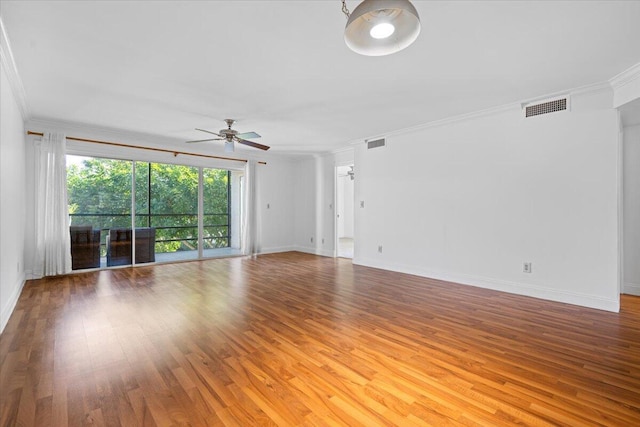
[{"x": 162, "y": 150}]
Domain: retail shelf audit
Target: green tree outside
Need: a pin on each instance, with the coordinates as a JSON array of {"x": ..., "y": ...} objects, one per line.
[{"x": 99, "y": 192}]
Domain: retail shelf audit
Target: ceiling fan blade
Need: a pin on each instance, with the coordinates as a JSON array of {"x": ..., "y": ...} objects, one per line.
[
  {"x": 208, "y": 131},
  {"x": 246, "y": 135},
  {"x": 205, "y": 140},
  {"x": 252, "y": 144}
]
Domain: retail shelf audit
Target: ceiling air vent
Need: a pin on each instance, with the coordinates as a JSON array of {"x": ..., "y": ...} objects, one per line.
[
  {"x": 546, "y": 107},
  {"x": 376, "y": 143}
]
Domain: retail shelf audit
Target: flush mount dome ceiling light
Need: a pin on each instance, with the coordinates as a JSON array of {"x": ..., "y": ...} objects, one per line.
[{"x": 381, "y": 27}]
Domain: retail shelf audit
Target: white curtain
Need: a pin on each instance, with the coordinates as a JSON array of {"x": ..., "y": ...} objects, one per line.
[
  {"x": 250, "y": 220},
  {"x": 53, "y": 243}
]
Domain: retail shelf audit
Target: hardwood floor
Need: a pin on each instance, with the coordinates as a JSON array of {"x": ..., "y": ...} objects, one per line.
[{"x": 294, "y": 339}]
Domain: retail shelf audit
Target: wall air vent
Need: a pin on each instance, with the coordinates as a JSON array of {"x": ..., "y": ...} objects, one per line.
[
  {"x": 376, "y": 143},
  {"x": 545, "y": 107}
]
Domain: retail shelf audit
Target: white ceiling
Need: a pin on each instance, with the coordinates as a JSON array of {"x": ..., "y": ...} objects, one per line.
[{"x": 282, "y": 69}]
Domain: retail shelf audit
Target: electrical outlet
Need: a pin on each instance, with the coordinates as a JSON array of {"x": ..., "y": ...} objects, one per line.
[
  {"x": 362, "y": 203},
  {"x": 526, "y": 267},
  {"x": 312, "y": 240},
  {"x": 268, "y": 206},
  {"x": 380, "y": 249},
  {"x": 323, "y": 240}
]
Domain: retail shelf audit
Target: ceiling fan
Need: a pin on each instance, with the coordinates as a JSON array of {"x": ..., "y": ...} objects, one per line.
[{"x": 230, "y": 136}]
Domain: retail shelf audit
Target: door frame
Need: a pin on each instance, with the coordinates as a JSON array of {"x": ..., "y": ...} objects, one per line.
[{"x": 336, "y": 240}]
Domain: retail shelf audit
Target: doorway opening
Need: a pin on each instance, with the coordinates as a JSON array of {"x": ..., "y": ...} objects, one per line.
[
  {"x": 630, "y": 183},
  {"x": 344, "y": 211}
]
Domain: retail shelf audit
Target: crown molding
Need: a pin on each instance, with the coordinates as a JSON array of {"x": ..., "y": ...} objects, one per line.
[
  {"x": 441, "y": 122},
  {"x": 341, "y": 150},
  {"x": 627, "y": 76},
  {"x": 578, "y": 91},
  {"x": 626, "y": 86},
  {"x": 9, "y": 65},
  {"x": 581, "y": 90},
  {"x": 589, "y": 89}
]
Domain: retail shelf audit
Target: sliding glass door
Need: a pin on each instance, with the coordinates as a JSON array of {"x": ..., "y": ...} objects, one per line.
[{"x": 181, "y": 212}]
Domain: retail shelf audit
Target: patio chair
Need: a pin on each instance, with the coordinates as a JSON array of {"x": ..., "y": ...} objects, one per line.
[
  {"x": 85, "y": 247},
  {"x": 119, "y": 246}
]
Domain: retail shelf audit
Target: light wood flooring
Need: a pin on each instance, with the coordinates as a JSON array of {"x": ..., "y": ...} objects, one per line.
[{"x": 294, "y": 339}]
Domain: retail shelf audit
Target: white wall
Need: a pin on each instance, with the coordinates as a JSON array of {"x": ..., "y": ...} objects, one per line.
[
  {"x": 12, "y": 200},
  {"x": 340, "y": 204},
  {"x": 305, "y": 176},
  {"x": 348, "y": 207},
  {"x": 314, "y": 193},
  {"x": 477, "y": 198},
  {"x": 631, "y": 210},
  {"x": 276, "y": 205},
  {"x": 345, "y": 204}
]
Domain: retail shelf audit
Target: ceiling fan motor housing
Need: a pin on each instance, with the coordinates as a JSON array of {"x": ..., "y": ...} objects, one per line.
[{"x": 228, "y": 133}]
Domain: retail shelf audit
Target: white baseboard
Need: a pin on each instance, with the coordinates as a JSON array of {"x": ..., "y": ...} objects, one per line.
[
  {"x": 314, "y": 251},
  {"x": 631, "y": 288},
  {"x": 276, "y": 250},
  {"x": 10, "y": 304},
  {"x": 525, "y": 289},
  {"x": 31, "y": 275}
]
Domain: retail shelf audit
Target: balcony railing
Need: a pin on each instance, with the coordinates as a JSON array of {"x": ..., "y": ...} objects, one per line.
[{"x": 216, "y": 235}]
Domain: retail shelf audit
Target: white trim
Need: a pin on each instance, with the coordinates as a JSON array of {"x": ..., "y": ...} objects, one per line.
[
  {"x": 620, "y": 204},
  {"x": 9, "y": 64},
  {"x": 7, "y": 310},
  {"x": 305, "y": 249},
  {"x": 341, "y": 150},
  {"x": 581, "y": 90},
  {"x": 631, "y": 288},
  {"x": 313, "y": 251},
  {"x": 586, "y": 89},
  {"x": 627, "y": 76},
  {"x": 626, "y": 86},
  {"x": 441, "y": 122},
  {"x": 500, "y": 285},
  {"x": 276, "y": 250},
  {"x": 334, "y": 211}
]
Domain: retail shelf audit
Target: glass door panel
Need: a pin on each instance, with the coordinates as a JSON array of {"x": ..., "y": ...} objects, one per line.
[
  {"x": 216, "y": 239},
  {"x": 167, "y": 207},
  {"x": 99, "y": 197}
]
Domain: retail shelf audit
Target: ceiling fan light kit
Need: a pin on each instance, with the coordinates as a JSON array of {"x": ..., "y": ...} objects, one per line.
[{"x": 381, "y": 27}]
